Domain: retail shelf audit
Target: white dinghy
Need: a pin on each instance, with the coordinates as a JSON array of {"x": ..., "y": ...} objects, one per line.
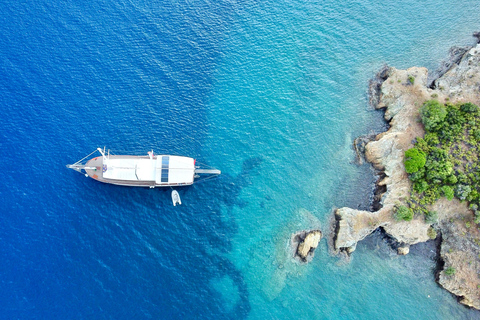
[{"x": 176, "y": 198}]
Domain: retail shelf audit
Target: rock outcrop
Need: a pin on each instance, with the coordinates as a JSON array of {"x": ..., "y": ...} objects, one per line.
[
  {"x": 402, "y": 93},
  {"x": 402, "y": 99},
  {"x": 403, "y": 250},
  {"x": 306, "y": 242},
  {"x": 459, "y": 251}
]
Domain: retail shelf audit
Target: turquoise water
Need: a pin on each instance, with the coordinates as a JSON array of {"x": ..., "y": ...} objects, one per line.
[
  {"x": 270, "y": 92},
  {"x": 293, "y": 77}
]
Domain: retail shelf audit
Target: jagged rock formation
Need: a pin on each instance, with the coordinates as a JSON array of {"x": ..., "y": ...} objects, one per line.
[
  {"x": 386, "y": 155},
  {"x": 459, "y": 250},
  {"x": 402, "y": 100}
]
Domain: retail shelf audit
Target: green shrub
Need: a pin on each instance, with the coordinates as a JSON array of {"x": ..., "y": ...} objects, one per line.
[
  {"x": 469, "y": 108},
  {"x": 451, "y": 179},
  {"x": 462, "y": 191},
  {"x": 431, "y": 217},
  {"x": 431, "y": 195},
  {"x": 438, "y": 167},
  {"x": 447, "y": 192},
  {"x": 420, "y": 186},
  {"x": 450, "y": 271},
  {"x": 455, "y": 115},
  {"x": 476, "y": 135},
  {"x": 403, "y": 213},
  {"x": 431, "y": 139},
  {"x": 414, "y": 160},
  {"x": 476, "y": 212},
  {"x": 417, "y": 176},
  {"x": 433, "y": 115},
  {"x": 431, "y": 233},
  {"x": 411, "y": 79},
  {"x": 473, "y": 195},
  {"x": 477, "y": 218},
  {"x": 422, "y": 145},
  {"x": 462, "y": 178}
]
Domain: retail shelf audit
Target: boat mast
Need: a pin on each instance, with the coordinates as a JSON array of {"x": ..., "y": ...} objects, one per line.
[{"x": 102, "y": 152}]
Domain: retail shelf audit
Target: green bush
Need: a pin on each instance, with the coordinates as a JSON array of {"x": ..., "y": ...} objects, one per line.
[
  {"x": 476, "y": 212},
  {"x": 422, "y": 145},
  {"x": 431, "y": 195},
  {"x": 431, "y": 217},
  {"x": 418, "y": 176},
  {"x": 403, "y": 213},
  {"x": 469, "y": 107},
  {"x": 414, "y": 160},
  {"x": 431, "y": 233},
  {"x": 473, "y": 195},
  {"x": 451, "y": 179},
  {"x": 462, "y": 191},
  {"x": 476, "y": 135},
  {"x": 411, "y": 79},
  {"x": 447, "y": 192},
  {"x": 450, "y": 271},
  {"x": 431, "y": 139},
  {"x": 420, "y": 186},
  {"x": 446, "y": 162},
  {"x": 455, "y": 115},
  {"x": 433, "y": 115},
  {"x": 438, "y": 166}
]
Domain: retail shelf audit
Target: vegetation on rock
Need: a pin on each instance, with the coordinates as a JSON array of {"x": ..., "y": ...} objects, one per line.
[
  {"x": 414, "y": 160},
  {"x": 403, "y": 213},
  {"x": 433, "y": 115},
  {"x": 450, "y": 271},
  {"x": 445, "y": 162},
  {"x": 432, "y": 234}
]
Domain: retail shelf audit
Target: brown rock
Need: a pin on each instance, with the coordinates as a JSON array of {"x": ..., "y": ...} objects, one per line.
[
  {"x": 403, "y": 250},
  {"x": 309, "y": 243}
]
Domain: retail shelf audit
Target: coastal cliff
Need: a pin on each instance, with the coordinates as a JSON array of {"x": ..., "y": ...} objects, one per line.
[{"x": 402, "y": 93}]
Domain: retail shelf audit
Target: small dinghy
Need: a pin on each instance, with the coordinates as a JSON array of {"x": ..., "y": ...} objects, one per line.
[{"x": 176, "y": 198}]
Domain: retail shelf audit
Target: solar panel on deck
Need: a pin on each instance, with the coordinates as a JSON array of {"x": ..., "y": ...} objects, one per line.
[
  {"x": 165, "y": 163},
  {"x": 164, "y": 175}
]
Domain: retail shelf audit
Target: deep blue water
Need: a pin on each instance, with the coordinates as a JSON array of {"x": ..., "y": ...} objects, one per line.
[{"x": 272, "y": 93}]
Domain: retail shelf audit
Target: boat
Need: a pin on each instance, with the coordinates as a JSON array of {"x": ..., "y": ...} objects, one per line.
[
  {"x": 176, "y": 198},
  {"x": 149, "y": 170}
]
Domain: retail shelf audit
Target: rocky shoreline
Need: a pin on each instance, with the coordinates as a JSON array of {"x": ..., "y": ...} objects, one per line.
[{"x": 401, "y": 93}]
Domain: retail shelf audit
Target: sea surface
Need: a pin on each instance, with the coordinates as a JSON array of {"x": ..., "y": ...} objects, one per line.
[{"x": 270, "y": 92}]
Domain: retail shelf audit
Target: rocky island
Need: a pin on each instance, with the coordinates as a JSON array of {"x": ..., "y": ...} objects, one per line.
[
  {"x": 305, "y": 243},
  {"x": 402, "y": 93}
]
